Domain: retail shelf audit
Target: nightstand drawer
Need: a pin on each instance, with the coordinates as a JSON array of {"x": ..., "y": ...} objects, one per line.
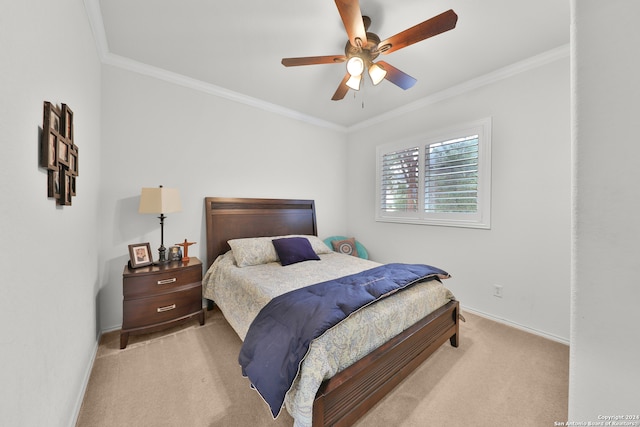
[
  {"x": 160, "y": 283},
  {"x": 166, "y": 307}
]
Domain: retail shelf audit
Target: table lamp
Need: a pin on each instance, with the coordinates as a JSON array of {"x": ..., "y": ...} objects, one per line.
[{"x": 160, "y": 201}]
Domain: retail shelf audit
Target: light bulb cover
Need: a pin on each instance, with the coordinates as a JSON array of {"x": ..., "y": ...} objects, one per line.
[
  {"x": 377, "y": 73},
  {"x": 355, "y": 66},
  {"x": 354, "y": 82}
]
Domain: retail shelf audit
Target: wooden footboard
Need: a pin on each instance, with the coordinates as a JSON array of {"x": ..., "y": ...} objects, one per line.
[{"x": 344, "y": 398}]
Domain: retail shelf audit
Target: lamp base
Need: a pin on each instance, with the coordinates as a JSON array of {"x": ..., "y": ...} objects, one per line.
[{"x": 162, "y": 256}]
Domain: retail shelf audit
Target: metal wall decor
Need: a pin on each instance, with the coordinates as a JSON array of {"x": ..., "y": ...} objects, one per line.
[{"x": 58, "y": 153}]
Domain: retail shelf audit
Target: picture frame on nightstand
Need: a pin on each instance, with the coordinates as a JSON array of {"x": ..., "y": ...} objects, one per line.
[
  {"x": 140, "y": 255},
  {"x": 175, "y": 253}
]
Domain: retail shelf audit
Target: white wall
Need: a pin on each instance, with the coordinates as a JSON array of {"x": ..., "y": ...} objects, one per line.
[
  {"x": 155, "y": 132},
  {"x": 527, "y": 249},
  {"x": 605, "y": 349},
  {"x": 49, "y": 260}
]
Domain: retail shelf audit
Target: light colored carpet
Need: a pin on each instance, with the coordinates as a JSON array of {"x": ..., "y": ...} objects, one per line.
[{"x": 189, "y": 376}]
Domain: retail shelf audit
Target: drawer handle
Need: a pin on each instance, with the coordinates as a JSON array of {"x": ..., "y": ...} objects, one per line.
[
  {"x": 167, "y": 308},
  {"x": 166, "y": 281}
]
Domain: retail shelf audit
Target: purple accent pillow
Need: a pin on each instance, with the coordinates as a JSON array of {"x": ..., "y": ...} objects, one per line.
[{"x": 291, "y": 250}]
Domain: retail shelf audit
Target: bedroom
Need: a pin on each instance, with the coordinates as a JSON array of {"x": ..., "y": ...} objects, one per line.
[{"x": 136, "y": 131}]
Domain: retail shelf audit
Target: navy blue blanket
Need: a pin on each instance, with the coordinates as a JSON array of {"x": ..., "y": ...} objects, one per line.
[{"x": 280, "y": 336}]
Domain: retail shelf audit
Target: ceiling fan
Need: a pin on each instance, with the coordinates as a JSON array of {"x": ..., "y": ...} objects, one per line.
[{"x": 364, "y": 47}]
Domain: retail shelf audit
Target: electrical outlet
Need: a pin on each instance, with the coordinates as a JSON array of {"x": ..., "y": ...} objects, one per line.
[{"x": 497, "y": 291}]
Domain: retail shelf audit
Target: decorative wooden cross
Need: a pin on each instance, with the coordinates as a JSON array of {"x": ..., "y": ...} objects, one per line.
[{"x": 186, "y": 245}]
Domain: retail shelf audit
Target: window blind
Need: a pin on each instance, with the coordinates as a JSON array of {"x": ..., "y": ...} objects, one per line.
[
  {"x": 400, "y": 180},
  {"x": 451, "y": 176}
]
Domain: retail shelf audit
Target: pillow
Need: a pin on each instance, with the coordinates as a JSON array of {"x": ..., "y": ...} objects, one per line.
[
  {"x": 253, "y": 251},
  {"x": 318, "y": 245},
  {"x": 292, "y": 250},
  {"x": 260, "y": 250},
  {"x": 347, "y": 246}
]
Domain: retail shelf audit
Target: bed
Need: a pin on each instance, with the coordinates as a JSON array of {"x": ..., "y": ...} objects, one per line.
[{"x": 351, "y": 390}]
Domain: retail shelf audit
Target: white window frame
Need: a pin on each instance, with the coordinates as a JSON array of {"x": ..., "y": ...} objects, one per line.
[{"x": 479, "y": 219}]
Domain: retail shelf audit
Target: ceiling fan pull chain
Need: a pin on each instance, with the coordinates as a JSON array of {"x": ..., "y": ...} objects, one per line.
[{"x": 363, "y": 91}]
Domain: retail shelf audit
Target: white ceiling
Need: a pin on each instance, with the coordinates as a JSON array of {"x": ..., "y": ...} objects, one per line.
[{"x": 235, "y": 47}]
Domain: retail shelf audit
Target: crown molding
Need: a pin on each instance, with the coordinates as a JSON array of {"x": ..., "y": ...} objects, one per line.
[
  {"x": 544, "y": 58},
  {"x": 199, "y": 85},
  {"x": 92, "y": 7},
  {"x": 94, "y": 14}
]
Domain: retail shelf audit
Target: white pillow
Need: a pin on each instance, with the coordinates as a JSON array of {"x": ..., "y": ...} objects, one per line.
[
  {"x": 318, "y": 245},
  {"x": 260, "y": 250}
]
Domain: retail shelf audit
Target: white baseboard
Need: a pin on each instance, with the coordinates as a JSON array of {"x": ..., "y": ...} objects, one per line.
[
  {"x": 542, "y": 334},
  {"x": 85, "y": 384}
]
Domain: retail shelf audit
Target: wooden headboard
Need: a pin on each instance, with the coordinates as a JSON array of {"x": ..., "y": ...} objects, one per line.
[{"x": 235, "y": 218}]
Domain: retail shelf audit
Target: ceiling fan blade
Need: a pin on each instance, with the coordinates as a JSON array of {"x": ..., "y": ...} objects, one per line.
[
  {"x": 342, "y": 89},
  {"x": 352, "y": 19},
  {"x": 431, "y": 27},
  {"x": 397, "y": 77},
  {"x": 313, "y": 60}
]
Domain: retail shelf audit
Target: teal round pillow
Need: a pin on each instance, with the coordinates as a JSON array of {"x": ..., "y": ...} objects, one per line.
[{"x": 362, "y": 252}]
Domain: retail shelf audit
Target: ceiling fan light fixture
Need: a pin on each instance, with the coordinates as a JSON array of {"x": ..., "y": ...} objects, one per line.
[
  {"x": 363, "y": 47},
  {"x": 355, "y": 66},
  {"x": 354, "y": 82},
  {"x": 377, "y": 73}
]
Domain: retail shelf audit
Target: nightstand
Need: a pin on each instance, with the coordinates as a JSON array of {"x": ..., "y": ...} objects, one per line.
[{"x": 160, "y": 296}]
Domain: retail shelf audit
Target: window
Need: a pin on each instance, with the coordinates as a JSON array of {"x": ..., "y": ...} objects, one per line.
[{"x": 442, "y": 178}]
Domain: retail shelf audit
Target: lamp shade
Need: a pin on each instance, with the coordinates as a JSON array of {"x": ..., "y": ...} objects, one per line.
[
  {"x": 354, "y": 82},
  {"x": 159, "y": 201},
  {"x": 377, "y": 73}
]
